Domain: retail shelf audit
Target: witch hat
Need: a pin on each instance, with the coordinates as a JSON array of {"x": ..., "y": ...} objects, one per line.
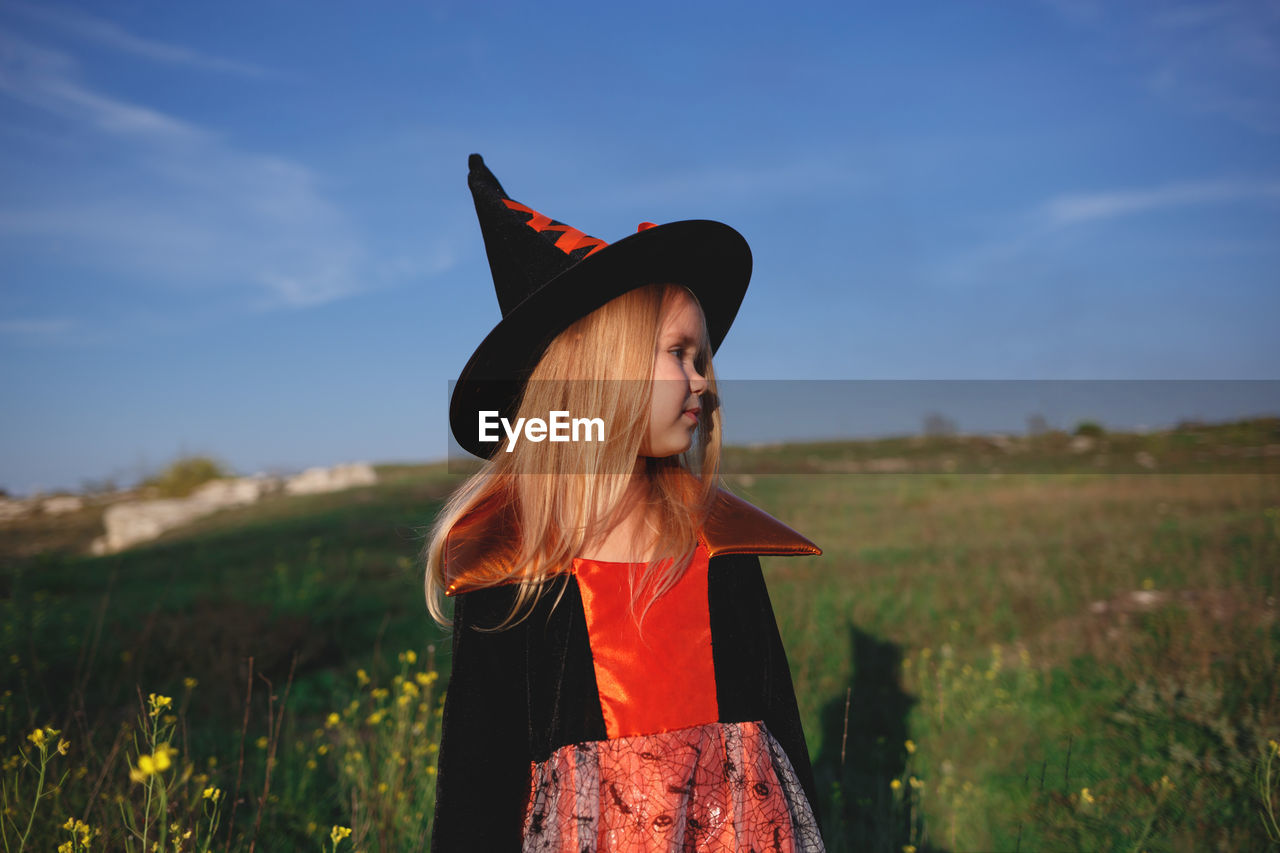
[{"x": 547, "y": 275}]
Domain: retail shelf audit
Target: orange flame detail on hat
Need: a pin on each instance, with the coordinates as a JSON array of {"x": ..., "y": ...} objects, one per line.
[{"x": 570, "y": 239}]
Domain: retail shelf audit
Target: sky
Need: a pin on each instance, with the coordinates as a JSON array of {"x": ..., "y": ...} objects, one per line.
[{"x": 243, "y": 229}]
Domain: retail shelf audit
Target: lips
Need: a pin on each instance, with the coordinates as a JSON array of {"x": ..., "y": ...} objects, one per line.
[{"x": 693, "y": 413}]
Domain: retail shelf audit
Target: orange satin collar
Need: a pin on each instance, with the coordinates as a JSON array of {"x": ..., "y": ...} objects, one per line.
[
  {"x": 475, "y": 554},
  {"x": 658, "y": 677}
]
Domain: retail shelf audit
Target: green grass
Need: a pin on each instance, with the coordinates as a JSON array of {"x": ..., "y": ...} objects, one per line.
[{"x": 994, "y": 620}]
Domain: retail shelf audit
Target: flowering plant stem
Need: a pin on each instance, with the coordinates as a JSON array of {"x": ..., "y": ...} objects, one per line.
[
  {"x": 1267, "y": 795},
  {"x": 35, "y": 802}
]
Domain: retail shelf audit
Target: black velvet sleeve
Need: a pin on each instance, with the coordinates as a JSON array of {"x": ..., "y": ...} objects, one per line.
[
  {"x": 483, "y": 774},
  {"x": 753, "y": 679}
]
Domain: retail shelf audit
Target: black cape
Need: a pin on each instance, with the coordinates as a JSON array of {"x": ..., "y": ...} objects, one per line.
[{"x": 517, "y": 695}]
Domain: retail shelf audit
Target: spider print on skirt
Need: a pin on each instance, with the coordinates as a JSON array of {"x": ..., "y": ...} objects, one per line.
[{"x": 719, "y": 786}]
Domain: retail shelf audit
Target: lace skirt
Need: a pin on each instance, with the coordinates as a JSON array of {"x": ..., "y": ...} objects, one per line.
[{"x": 718, "y": 786}]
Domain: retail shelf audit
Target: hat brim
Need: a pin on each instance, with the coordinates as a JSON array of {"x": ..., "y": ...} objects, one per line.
[{"x": 710, "y": 258}]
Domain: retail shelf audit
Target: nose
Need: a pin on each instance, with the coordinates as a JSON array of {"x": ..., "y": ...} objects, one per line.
[{"x": 697, "y": 382}]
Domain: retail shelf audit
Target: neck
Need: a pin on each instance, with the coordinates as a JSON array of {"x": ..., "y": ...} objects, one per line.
[{"x": 628, "y": 539}]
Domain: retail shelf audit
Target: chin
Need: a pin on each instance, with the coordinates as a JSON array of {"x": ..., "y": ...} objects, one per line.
[{"x": 666, "y": 449}]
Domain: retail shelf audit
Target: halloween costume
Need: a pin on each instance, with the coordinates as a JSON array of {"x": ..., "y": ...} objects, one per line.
[{"x": 576, "y": 729}]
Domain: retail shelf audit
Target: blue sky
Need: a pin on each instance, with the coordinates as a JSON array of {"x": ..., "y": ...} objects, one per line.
[{"x": 243, "y": 229}]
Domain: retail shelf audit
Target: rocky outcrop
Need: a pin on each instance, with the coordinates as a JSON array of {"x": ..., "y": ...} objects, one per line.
[
  {"x": 315, "y": 480},
  {"x": 11, "y": 509},
  {"x": 130, "y": 523},
  {"x": 60, "y": 504}
]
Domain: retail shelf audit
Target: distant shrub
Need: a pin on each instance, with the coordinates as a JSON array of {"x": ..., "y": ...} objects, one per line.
[
  {"x": 938, "y": 425},
  {"x": 185, "y": 475},
  {"x": 1093, "y": 429}
]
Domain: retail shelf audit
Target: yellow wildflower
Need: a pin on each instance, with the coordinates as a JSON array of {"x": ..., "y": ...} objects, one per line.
[
  {"x": 261, "y": 742},
  {"x": 158, "y": 762},
  {"x": 38, "y": 737},
  {"x": 911, "y": 747},
  {"x": 908, "y": 848},
  {"x": 63, "y": 746},
  {"x": 380, "y": 693},
  {"x": 1085, "y": 796},
  {"x": 212, "y": 793},
  {"x": 896, "y": 784},
  {"x": 362, "y": 677},
  {"x": 66, "y": 847},
  {"x": 332, "y": 720},
  {"x": 339, "y": 833},
  {"x": 158, "y": 703},
  {"x": 189, "y": 683},
  {"x": 916, "y": 783},
  {"x": 1275, "y": 747},
  {"x": 409, "y": 657}
]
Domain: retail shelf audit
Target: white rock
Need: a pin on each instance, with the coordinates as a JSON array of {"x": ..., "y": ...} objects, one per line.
[
  {"x": 62, "y": 503},
  {"x": 1081, "y": 444},
  {"x": 130, "y": 523},
  {"x": 11, "y": 509},
  {"x": 316, "y": 480},
  {"x": 236, "y": 491}
]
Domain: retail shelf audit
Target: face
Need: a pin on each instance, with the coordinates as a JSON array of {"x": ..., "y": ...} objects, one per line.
[{"x": 677, "y": 384}]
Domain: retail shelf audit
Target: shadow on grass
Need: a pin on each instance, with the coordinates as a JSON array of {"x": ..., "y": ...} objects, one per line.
[{"x": 862, "y": 757}]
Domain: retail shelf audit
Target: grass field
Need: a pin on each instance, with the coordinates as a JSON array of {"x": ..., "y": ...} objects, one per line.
[{"x": 1005, "y": 651}]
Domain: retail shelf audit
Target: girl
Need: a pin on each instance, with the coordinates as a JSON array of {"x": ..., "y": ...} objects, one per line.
[{"x": 618, "y": 682}]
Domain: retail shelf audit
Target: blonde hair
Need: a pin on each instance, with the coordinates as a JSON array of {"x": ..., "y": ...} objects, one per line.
[{"x": 564, "y": 495}]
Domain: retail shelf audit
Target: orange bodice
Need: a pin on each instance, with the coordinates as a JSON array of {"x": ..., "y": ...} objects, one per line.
[{"x": 656, "y": 676}]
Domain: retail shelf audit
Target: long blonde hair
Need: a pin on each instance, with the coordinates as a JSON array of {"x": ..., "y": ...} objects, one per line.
[{"x": 563, "y": 495}]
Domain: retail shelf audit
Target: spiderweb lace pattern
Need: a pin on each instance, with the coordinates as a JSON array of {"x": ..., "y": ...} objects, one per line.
[{"x": 714, "y": 787}]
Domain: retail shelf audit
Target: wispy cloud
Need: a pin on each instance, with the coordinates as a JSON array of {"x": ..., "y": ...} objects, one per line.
[
  {"x": 1218, "y": 57},
  {"x": 46, "y": 79},
  {"x": 1086, "y": 207},
  {"x": 1050, "y": 225},
  {"x": 107, "y": 34},
  {"x": 187, "y": 208}
]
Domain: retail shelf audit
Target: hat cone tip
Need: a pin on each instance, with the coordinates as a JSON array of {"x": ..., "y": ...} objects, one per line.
[{"x": 475, "y": 161}]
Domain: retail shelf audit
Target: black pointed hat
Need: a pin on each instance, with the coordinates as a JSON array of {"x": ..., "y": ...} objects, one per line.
[{"x": 547, "y": 275}]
